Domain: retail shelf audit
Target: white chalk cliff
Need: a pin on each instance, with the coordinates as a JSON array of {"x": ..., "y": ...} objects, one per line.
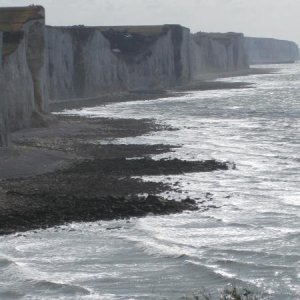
[
  {"x": 271, "y": 51},
  {"x": 89, "y": 61},
  {"x": 217, "y": 53},
  {"x": 40, "y": 63}
]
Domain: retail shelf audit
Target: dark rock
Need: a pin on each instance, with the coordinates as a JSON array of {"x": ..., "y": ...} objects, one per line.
[
  {"x": 114, "y": 228},
  {"x": 189, "y": 201}
]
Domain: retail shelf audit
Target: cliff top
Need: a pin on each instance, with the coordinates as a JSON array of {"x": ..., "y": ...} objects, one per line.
[
  {"x": 146, "y": 30},
  {"x": 13, "y": 18},
  {"x": 143, "y": 30},
  {"x": 128, "y": 41},
  {"x": 270, "y": 40},
  {"x": 219, "y": 35}
]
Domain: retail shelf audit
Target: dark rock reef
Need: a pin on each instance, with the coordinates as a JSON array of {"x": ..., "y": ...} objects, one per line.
[
  {"x": 74, "y": 208},
  {"x": 94, "y": 181},
  {"x": 92, "y": 190}
]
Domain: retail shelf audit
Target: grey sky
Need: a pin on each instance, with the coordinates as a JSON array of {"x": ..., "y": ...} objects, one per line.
[{"x": 266, "y": 18}]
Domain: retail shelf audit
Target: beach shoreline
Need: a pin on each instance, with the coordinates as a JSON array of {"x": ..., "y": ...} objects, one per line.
[
  {"x": 209, "y": 82},
  {"x": 48, "y": 176}
]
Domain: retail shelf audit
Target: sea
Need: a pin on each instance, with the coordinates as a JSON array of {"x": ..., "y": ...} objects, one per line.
[{"x": 248, "y": 238}]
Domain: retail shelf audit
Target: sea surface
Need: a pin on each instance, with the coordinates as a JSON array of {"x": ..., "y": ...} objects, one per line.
[{"x": 251, "y": 238}]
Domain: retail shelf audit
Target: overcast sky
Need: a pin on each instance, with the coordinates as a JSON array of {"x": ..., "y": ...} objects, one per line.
[{"x": 266, "y": 18}]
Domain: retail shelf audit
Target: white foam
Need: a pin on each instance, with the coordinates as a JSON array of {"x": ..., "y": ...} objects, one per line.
[
  {"x": 258, "y": 214},
  {"x": 292, "y": 199}
]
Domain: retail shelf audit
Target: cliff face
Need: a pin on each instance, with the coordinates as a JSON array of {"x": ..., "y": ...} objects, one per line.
[
  {"x": 3, "y": 105},
  {"x": 215, "y": 53},
  {"x": 23, "y": 90},
  {"x": 160, "y": 59},
  {"x": 88, "y": 61},
  {"x": 271, "y": 51},
  {"x": 80, "y": 63},
  {"x": 66, "y": 63}
]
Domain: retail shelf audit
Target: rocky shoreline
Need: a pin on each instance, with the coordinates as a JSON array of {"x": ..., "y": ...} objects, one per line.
[
  {"x": 93, "y": 181},
  {"x": 62, "y": 173}
]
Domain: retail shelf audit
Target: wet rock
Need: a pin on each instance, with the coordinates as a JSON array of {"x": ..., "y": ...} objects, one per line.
[
  {"x": 95, "y": 188},
  {"x": 76, "y": 208},
  {"x": 145, "y": 166},
  {"x": 213, "y": 206},
  {"x": 189, "y": 201},
  {"x": 208, "y": 195},
  {"x": 114, "y": 228}
]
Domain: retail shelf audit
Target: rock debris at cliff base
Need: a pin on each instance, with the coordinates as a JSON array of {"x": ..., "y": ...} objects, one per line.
[{"x": 94, "y": 181}]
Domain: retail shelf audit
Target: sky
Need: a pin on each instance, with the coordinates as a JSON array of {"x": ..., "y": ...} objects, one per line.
[{"x": 261, "y": 18}]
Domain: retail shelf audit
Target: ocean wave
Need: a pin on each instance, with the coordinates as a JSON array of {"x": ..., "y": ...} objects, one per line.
[
  {"x": 292, "y": 200},
  {"x": 216, "y": 273},
  {"x": 11, "y": 295},
  {"x": 256, "y": 254},
  {"x": 5, "y": 262},
  {"x": 55, "y": 287},
  {"x": 250, "y": 265},
  {"x": 23, "y": 280},
  {"x": 158, "y": 249}
]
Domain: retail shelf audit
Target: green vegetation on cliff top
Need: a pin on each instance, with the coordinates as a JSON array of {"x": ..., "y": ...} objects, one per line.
[
  {"x": 143, "y": 30},
  {"x": 12, "y": 19},
  {"x": 146, "y": 30}
]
